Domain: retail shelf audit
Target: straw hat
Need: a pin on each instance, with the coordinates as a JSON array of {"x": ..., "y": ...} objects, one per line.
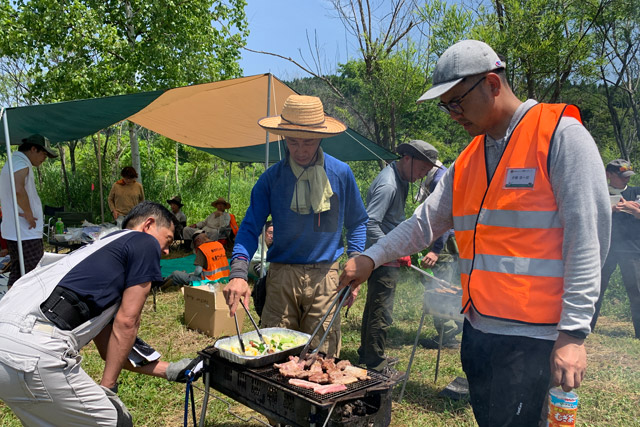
[
  {"x": 222, "y": 200},
  {"x": 303, "y": 117}
]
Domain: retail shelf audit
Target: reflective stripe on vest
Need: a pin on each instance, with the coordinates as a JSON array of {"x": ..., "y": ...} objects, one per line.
[
  {"x": 510, "y": 235},
  {"x": 217, "y": 264}
]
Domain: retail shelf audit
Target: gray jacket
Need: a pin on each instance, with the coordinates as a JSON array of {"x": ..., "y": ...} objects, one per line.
[
  {"x": 386, "y": 199},
  {"x": 580, "y": 188}
]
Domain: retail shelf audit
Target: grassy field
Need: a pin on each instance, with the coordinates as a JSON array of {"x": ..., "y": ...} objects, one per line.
[{"x": 609, "y": 396}]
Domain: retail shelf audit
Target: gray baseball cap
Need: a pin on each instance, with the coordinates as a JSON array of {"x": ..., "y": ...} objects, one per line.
[
  {"x": 621, "y": 167},
  {"x": 418, "y": 149},
  {"x": 465, "y": 58}
]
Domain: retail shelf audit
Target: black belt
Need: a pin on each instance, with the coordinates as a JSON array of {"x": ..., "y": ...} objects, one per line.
[{"x": 65, "y": 310}]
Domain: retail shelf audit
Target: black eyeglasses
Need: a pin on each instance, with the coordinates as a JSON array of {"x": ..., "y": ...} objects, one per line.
[{"x": 454, "y": 106}]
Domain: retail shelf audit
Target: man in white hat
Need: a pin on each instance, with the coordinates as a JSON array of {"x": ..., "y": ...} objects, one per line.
[
  {"x": 386, "y": 200},
  {"x": 528, "y": 202},
  {"x": 33, "y": 151},
  {"x": 214, "y": 224},
  {"x": 312, "y": 197}
]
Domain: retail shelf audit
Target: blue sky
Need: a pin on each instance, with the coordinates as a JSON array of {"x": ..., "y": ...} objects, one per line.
[{"x": 279, "y": 26}]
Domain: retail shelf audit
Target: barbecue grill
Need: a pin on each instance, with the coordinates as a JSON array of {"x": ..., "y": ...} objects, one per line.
[{"x": 263, "y": 389}]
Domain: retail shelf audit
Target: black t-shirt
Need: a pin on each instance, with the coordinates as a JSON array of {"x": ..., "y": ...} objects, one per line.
[
  {"x": 101, "y": 278},
  {"x": 625, "y": 232}
]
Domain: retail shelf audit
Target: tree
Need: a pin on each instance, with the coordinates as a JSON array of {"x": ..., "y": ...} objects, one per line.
[
  {"x": 617, "y": 55},
  {"x": 545, "y": 42},
  {"x": 90, "y": 48}
]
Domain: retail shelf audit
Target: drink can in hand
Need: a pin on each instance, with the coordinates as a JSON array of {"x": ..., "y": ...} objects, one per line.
[{"x": 563, "y": 407}]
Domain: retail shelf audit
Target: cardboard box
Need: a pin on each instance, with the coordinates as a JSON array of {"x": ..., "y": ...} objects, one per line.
[{"x": 208, "y": 312}]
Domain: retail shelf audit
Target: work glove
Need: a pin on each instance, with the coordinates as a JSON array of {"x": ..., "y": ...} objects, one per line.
[
  {"x": 405, "y": 261},
  {"x": 124, "y": 417},
  {"x": 185, "y": 369}
]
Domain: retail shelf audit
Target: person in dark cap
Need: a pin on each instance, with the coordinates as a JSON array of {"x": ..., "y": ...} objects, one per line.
[
  {"x": 33, "y": 151},
  {"x": 176, "y": 205},
  {"x": 528, "y": 201},
  {"x": 625, "y": 238},
  {"x": 386, "y": 200}
]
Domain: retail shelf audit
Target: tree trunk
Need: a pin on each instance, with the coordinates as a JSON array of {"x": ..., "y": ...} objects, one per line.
[
  {"x": 133, "y": 134},
  {"x": 72, "y": 155},
  {"x": 135, "y": 150},
  {"x": 65, "y": 179},
  {"x": 176, "y": 165}
]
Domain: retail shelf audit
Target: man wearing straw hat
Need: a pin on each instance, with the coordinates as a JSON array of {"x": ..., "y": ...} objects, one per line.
[
  {"x": 214, "y": 223},
  {"x": 311, "y": 198}
]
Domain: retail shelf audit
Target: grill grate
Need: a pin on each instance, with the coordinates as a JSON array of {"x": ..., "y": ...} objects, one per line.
[{"x": 273, "y": 374}]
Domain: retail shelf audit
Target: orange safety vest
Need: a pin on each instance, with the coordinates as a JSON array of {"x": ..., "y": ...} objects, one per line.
[
  {"x": 217, "y": 264},
  {"x": 233, "y": 224},
  {"x": 508, "y": 228}
]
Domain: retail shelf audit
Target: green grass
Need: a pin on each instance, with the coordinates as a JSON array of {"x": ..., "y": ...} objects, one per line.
[{"x": 609, "y": 396}]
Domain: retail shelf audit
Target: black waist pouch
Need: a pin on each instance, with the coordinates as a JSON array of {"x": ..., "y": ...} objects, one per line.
[
  {"x": 65, "y": 310},
  {"x": 259, "y": 294}
]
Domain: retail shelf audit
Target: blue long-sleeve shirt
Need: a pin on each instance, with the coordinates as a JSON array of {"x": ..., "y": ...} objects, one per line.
[{"x": 303, "y": 239}]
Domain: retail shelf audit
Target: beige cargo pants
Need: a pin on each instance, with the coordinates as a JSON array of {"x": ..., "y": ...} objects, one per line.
[{"x": 298, "y": 295}]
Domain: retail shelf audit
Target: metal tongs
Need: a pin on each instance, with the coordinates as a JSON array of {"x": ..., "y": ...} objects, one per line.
[
  {"x": 253, "y": 322},
  {"x": 235, "y": 317},
  {"x": 440, "y": 282},
  {"x": 342, "y": 297}
]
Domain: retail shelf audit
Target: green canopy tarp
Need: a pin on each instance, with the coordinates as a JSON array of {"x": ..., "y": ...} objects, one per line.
[{"x": 219, "y": 118}]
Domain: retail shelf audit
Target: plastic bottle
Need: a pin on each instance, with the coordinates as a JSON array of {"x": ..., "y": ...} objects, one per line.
[
  {"x": 59, "y": 226},
  {"x": 563, "y": 408}
]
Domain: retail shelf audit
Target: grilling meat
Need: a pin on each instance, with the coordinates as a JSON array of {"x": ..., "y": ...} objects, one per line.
[
  {"x": 330, "y": 388},
  {"x": 320, "y": 389},
  {"x": 312, "y": 373},
  {"x": 292, "y": 368}
]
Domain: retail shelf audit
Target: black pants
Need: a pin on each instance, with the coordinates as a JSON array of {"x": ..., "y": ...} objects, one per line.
[
  {"x": 509, "y": 377},
  {"x": 377, "y": 316},
  {"x": 32, "y": 251},
  {"x": 630, "y": 271}
]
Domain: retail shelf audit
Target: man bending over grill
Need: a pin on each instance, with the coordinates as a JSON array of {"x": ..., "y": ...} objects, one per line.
[
  {"x": 531, "y": 246},
  {"x": 311, "y": 197},
  {"x": 95, "y": 293}
]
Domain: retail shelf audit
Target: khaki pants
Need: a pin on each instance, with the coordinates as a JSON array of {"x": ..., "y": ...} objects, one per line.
[{"x": 298, "y": 295}]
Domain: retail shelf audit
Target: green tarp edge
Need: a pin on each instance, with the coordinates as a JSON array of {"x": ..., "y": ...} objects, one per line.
[
  {"x": 66, "y": 121},
  {"x": 342, "y": 147}
]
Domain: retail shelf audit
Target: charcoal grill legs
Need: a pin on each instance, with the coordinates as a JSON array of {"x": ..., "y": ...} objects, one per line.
[
  {"x": 413, "y": 353},
  {"x": 205, "y": 399}
]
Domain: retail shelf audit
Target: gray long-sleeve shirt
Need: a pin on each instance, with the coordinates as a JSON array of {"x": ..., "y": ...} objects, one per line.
[
  {"x": 386, "y": 199},
  {"x": 580, "y": 188}
]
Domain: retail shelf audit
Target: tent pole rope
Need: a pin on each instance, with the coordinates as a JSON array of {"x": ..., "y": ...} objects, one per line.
[
  {"x": 367, "y": 148},
  {"x": 12, "y": 179},
  {"x": 229, "y": 189}
]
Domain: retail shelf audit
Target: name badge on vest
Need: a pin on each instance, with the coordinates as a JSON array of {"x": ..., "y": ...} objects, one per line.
[{"x": 520, "y": 178}]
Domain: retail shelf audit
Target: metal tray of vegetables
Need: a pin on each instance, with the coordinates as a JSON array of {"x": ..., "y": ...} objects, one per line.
[{"x": 281, "y": 343}]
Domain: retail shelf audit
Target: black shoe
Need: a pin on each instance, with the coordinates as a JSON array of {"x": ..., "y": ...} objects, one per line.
[{"x": 432, "y": 344}]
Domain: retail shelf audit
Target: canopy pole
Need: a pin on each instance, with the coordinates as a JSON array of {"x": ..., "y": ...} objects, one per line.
[
  {"x": 263, "y": 247},
  {"x": 229, "y": 189},
  {"x": 100, "y": 180},
  {"x": 12, "y": 179}
]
